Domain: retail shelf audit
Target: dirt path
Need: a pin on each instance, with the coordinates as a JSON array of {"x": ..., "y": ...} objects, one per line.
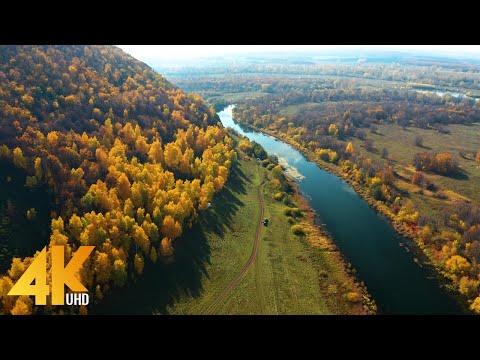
[
  {"x": 253, "y": 256},
  {"x": 258, "y": 280}
]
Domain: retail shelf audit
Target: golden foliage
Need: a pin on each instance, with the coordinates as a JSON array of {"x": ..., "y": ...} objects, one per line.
[
  {"x": 349, "y": 149},
  {"x": 457, "y": 265},
  {"x": 98, "y": 137}
]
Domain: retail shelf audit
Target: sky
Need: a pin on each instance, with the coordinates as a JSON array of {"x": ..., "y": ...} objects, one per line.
[{"x": 183, "y": 52}]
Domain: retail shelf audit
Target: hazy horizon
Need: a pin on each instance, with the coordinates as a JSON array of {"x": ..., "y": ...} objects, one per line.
[{"x": 149, "y": 53}]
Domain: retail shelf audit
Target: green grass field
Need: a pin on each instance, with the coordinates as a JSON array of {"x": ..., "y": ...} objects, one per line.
[
  {"x": 401, "y": 149},
  {"x": 288, "y": 277}
]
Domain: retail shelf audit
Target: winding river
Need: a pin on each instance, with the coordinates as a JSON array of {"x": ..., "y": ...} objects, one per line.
[{"x": 367, "y": 240}]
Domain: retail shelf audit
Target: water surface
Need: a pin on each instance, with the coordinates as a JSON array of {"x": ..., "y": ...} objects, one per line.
[{"x": 367, "y": 239}]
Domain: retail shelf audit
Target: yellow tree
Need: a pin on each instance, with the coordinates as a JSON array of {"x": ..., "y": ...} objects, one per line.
[
  {"x": 7, "y": 301},
  {"x": 218, "y": 183},
  {"x": 23, "y": 306},
  {"x": 123, "y": 186},
  {"x": 75, "y": 226},
  {"x": 333, "y": 129},
  {"x": 476, "y": 305},
  {"x": 166, "y": 248},
  {"x": 171, "y": 228},
  {"x": 128, "y": 133},
  {"x": 53, "y": 139},
  {"x": 137, "y": 194},
  {"x": 141, "y": 145},
  {"x": 57, "y": 238},
  {"x": 38, "y": 168},
  {"x": 58, "y": 224},
  {"x": 102, "y": 267},
  {"x": 172, "y": 155},
  {"x": 468, "y": 287},
  {"x": 102, "y": 158},
  {"x": 16, "y": 269},
  {"x": 19, "y": 160},
  {"x": 141, "y": 239},
  {"x": 457, "y": 265},
  {"x": 206, "y": 195},
  {"x": 349, "y": 149},
  {"x": 155, "y": 154},
  {"x": 246, "y": 146}
]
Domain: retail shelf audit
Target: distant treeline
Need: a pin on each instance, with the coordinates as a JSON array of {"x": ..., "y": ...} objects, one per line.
[{"x": 461, "y": 77}]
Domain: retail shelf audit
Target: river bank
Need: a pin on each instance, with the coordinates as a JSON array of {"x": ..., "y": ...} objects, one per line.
[
  {"x": 366, "y": 239},
  {"x": 318, "y": 237},
  {"x": 419, "y": 253}
]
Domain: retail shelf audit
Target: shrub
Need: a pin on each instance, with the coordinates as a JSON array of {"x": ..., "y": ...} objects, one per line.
[
  {"x": 323, "y": 274},
  {"x": 418, "y": 141},
  {"x": 441, "y": 195},
  {"x": 442, "y": 129},
  {"x": 275, "y": 183},
  {"x": 246, "y": 146},
  {"x": 368, "y": 145},
  {"x": 417, "y": 178},
  {"x": 287, "y": 200},
  {"x": 293, "y": 212},
  {"x": 259, "y": 151},
  {"x": 279, "y": 196},
  {"x": 327, "y": 155},
  {"x": 385, "y": 153},
  {"x": 273, "y": 159},
  {"x": 361, "y": 134},
  {"x": 298, "y": 230},
  {"x": 442, "y": 163},
  {"x": 353, "y": 297}
]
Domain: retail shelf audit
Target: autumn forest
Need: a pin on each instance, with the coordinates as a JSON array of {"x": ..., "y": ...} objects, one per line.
[
  {"x": 131, "y": 159},
  {"x": 225, "y": 185}
]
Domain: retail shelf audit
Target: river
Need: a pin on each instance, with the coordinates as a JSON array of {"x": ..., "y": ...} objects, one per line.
[
  {"x": 443, "y": 93},
  {"x": 366, "y": 239}
]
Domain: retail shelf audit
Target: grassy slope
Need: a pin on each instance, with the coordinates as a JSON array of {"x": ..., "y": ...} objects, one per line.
[
  {"x": 289, "y": 277},
  {"x": 229, "y": 248}
]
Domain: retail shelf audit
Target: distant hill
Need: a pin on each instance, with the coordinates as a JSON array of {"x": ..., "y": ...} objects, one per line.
[{"x": 74, "y": 87}]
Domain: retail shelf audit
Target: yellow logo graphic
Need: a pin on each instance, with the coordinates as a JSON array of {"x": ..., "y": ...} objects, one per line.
[{"x": 61, "y": 275}]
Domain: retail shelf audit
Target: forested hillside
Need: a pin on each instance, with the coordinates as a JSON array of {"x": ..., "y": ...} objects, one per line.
[{"x": 130, "y": 158}]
